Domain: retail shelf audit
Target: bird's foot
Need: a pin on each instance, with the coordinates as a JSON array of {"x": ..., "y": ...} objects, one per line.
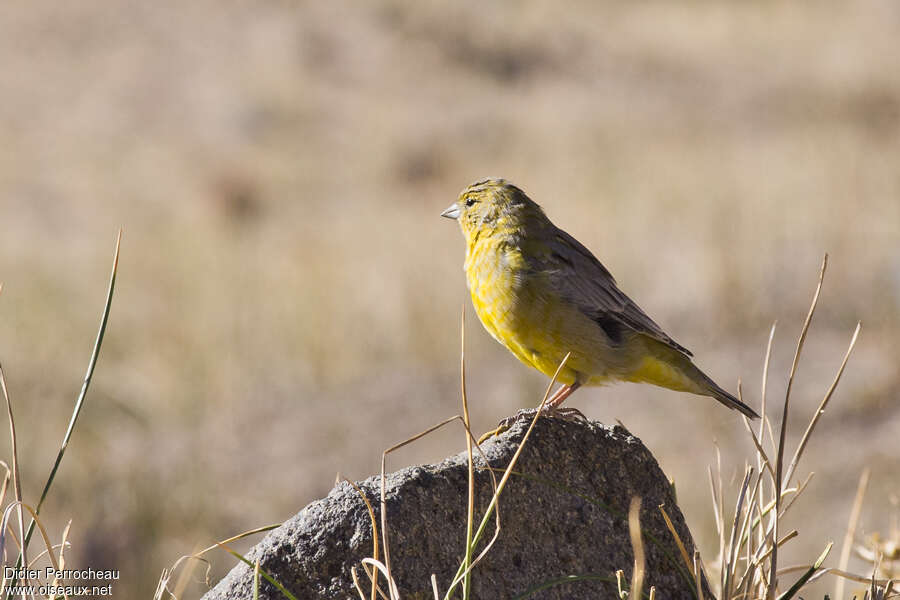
[
  {"x": 505, "y": 424},
  {"x": 488, "y": 435},
  {"x": 566, "y": 414}
]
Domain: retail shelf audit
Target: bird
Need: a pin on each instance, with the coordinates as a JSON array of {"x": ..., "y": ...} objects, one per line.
[{"x": 542, "y": 294}]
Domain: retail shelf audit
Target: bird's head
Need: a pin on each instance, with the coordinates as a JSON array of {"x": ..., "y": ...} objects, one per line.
[{"x": 492, "y": 205}]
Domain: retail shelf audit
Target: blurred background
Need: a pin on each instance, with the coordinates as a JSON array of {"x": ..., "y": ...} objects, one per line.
[{"x": 289, "y": 300}]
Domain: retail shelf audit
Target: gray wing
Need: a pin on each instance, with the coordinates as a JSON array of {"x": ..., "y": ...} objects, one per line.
[{"x": 585, "y": 282}]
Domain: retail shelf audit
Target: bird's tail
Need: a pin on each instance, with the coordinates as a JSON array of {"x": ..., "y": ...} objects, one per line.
[
  {"x": 666, "y": 367},
  {"x": 730, "y": 401}
]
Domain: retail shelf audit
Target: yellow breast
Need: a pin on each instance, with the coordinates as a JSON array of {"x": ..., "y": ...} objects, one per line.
[
  {"x": 518, "y": 309},
  {"x": 494, "y": 273}
]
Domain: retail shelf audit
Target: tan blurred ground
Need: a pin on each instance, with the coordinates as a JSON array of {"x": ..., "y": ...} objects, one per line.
[{"x": 288, "y": 301}]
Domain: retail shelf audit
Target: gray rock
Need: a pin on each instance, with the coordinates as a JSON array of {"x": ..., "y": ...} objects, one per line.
[{"x": 566, "y": 514}]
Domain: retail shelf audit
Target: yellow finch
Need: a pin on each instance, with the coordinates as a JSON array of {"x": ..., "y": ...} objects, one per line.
[{"x": 542, "y": 294}]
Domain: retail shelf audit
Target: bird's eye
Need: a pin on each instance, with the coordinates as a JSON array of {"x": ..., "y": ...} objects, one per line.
[{"x": 470, "y": 201}]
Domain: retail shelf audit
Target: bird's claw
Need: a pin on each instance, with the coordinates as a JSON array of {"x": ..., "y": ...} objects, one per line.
[
  {"x": 500, "y": 429},
  {"x": 566, "y": 414}
]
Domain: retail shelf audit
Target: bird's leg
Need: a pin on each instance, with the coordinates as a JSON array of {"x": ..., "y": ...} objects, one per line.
[
  {"x": 553, "y": 400},
  {"x": 551, "y": 407},
  {"x": 561, "y": 394},
  {"x": 569, "y": 413}
]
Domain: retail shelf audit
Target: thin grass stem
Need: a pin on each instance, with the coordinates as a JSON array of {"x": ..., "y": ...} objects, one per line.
[
  {"x": 374, "y": 532},
  {"x": 262, "y": 572},
  {"x": 821, "y": 410},
  {"x": 640, "y": 560},
  {"x": 779, "y": 462},
  {"x": 383, "y": 504},
  {"x": 496, "y": 497},
  {"x": 728, "y": 566},
  {"x": 470, "y": 509},
  {"x": 17, "y": 483},
  {"x": 79, "y": 403},
  {"x": 851, "y": 530}
]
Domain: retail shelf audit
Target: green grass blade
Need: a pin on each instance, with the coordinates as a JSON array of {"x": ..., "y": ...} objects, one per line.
[
  {"x": 262, "y": 572},
  {"x": 805, "y": 577},
  {"x": 256, "y": 580},
  {"x": 82, "y": 395},
  {"x": 88, "y": 376}
]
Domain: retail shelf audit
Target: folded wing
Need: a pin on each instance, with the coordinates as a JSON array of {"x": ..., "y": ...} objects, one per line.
[{"x": 585, "y": 282}]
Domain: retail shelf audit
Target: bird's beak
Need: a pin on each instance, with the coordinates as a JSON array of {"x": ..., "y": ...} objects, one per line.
[{"x": 452, "y": 211}]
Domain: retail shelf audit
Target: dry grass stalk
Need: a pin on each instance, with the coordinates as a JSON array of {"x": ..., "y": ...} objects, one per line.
[
  {"x": 17, "y": 484},
  {"x": 493, "y": 505},
  {"x": 374, "y": 532},
  {"x": 755, "y": 535},
  {"x": 851, "y": 530},
  {"x": 779, "y": 462},
  {"x": 640, "y": 563},
  {"x": 470, "y": 508},
  {"x": 684, "y": 553}
]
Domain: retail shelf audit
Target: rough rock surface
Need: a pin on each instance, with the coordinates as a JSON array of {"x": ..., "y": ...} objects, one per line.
[{"x": 566, "y": 514}]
